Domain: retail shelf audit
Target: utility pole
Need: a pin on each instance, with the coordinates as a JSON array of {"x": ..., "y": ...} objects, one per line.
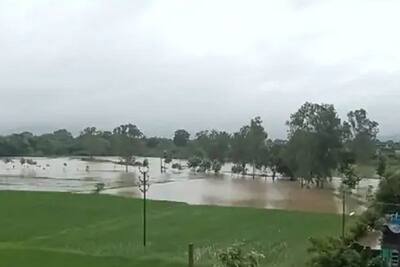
[{"x": 144, "y": 187}]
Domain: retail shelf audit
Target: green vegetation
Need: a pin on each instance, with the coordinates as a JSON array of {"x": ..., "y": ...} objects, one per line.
[
  {"x": 61, "y": 229},
  {"x": 335, "y": 252},
  {"x": 181, "y": 137},
  {"x": 317, "y": 144}
]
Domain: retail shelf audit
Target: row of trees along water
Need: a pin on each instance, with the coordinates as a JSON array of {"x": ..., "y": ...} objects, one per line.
[{"x": 318, "y": 142}]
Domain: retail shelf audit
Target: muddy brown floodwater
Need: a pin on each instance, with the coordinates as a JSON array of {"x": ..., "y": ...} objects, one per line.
[{"x": 75, "y": 175}]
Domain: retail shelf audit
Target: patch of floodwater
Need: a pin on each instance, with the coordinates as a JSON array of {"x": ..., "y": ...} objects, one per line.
[
  {"x": 228, "y": 191},
  {"x": 71, "y": 175}
]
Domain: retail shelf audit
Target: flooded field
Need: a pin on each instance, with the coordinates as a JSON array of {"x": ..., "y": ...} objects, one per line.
[{"x": 77, "y": 175}]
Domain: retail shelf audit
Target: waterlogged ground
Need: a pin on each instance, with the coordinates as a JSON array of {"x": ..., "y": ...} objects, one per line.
[{"x": 76, "y": 175}]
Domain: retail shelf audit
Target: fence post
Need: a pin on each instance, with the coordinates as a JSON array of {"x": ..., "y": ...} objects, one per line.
[{"x": 191, "y": 261}]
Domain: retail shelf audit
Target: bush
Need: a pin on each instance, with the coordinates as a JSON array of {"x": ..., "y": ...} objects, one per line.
[
  {"x": 177, "y": 166},
  {"x": 204, "y": 166},
  {"x": 99, "y": 188},
  {"x": 194, "y": 162},
  {"x": 237, "y": 168},
  {"x": 333, "y": 252},
  {"x": 216, "y": 166},
  {"x": 237, "y": 256}
]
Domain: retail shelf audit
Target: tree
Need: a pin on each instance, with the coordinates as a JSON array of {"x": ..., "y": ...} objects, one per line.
[
  {"x": 92, "y": 142},
  {"x": 381, "y": 169},
  {"x": 216, "y": 166},
  {"x": 89, "y": 131},
  {"x": 59, "y": 142},
  {"x": 205, "y": 165},
  {"x": 361, "y": 133},
  {"x": 194, "y": 162},
  {"x": 256, "y": 142},
  {"x": 388, "y": 194},
  {"x": 126, "y": 141},
  {"x": 18, "y": 144},
  {"x": 152, "y": 142},
  {"x": 248, "y": 145},
  {"x": 94, "y": 145},
  {"x": 239, "y": 150},
  {"x": 214, "y": 144},
  {"x": 315, "y": 141},
  {"x": 126, "y": 147},
  {"x": 181, "y": 137},
  {"x": 275, "y": 159},
  {"x": 350, "y": 178},
  {"x": 129, "y": 130}
]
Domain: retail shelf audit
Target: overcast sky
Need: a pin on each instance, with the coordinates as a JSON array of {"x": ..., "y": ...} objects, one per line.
[{"x": 165, "y": 65}]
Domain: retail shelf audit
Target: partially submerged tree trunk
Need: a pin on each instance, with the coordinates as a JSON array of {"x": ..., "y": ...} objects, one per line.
[
  {"x": 254, "y": 170},
  {"x": 320, "y": 182},
  {"x": 243, "y": 169},
  {"x": 126, "y": 159}
]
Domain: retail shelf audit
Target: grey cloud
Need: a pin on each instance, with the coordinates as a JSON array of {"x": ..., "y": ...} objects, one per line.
[{"x": 74, "y": 64}]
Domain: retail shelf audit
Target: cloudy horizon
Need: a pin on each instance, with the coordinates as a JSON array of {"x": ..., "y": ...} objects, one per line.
[{"x": 165, "y": 65}]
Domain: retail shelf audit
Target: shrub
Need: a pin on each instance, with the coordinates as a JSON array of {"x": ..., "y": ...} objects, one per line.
[
  {"x": 177, "y": 166},
  {"x": 194, "y": 162},
  {"x": 99, "y": 188},
  {"x": 237, "y": 256},
  {"x": 216, "y": 166},
  {"x": 237, "y": 168},
  {"x": 204, "y": 166}
]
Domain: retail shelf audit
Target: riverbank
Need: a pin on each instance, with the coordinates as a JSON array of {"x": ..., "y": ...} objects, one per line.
[{"x": 75, "y": 230}]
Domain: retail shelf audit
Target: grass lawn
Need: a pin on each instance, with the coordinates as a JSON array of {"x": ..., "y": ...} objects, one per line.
[{"x": 69, "y": 230}]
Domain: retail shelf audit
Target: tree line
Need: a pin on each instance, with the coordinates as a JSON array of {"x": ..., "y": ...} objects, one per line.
[{"x": 318, "y": 142}]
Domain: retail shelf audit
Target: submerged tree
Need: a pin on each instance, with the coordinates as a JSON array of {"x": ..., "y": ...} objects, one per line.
[
  {"x": 194, "y": 162},
  {"x": 248, "y": 145},
  {"x": 216, "y": 166},
  {"x": 315, "y": 140},
  {"x": 126, "y": 148},
  {"x": 275, "y": 159},
  {"x": 214, "y": 144}
]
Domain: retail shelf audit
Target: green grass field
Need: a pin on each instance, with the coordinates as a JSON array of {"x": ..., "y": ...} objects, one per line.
[{"x": 69, "y": 230}]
